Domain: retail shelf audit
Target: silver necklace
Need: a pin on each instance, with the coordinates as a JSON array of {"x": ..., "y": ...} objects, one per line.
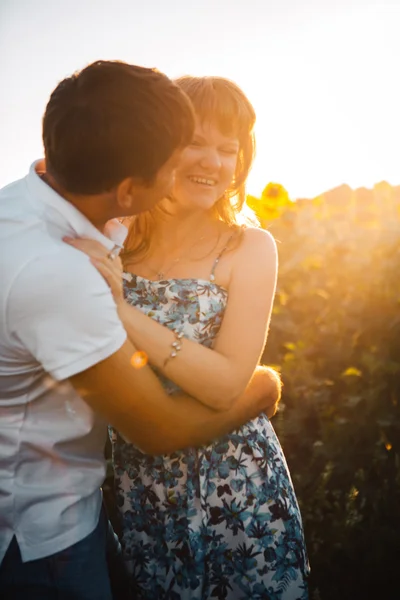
[{"x": 161, "y": 274}]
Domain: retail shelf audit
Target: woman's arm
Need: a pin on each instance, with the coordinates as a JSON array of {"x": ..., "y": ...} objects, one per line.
[
  {"x": 136, "y": 404},
  {"x": 218, "y": 376}
]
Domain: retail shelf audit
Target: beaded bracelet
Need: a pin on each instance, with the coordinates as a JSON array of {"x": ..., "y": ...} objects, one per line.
[{"x": 176, "y": 346}]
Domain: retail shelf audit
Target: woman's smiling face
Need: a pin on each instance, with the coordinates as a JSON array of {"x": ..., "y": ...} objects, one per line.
[{"x": 206, "y": 169}]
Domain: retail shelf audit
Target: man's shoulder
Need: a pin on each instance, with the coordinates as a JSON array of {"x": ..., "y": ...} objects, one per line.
[
  {"x": 28, "y": 250},
  {"x": 60, "y": 286},
  {"x": 15, "y": 200},
  {"x": 19, "y": 219},
  {"x": 55, "y": 264},
  {"x": 13, "y": 187}
]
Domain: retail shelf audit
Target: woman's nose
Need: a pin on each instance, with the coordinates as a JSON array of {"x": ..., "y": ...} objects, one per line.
[{"x": 211, "y": 159}]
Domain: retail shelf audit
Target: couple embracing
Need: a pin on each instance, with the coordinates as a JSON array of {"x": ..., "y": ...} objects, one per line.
[{"x": 160, "y": 341}]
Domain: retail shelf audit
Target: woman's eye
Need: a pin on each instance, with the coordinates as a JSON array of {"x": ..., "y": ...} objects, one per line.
[{"x": 230, "y": 150}]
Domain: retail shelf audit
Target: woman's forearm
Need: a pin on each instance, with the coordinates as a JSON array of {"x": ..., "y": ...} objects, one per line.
[
  {"x": 201, "y": 372},
  {"x": 136, "y": 404}
]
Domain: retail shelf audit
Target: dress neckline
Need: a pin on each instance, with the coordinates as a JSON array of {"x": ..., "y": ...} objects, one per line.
[{"x": 199, "y": 280}]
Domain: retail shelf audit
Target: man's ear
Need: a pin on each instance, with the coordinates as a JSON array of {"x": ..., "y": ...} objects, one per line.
[{"x": 126, "y": 192}]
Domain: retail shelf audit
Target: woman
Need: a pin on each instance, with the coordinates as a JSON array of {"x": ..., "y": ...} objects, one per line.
[{"x": 221, "y": 521}]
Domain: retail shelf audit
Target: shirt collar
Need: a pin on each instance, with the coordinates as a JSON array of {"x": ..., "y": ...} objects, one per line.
[{"x": 63, "y": 212}]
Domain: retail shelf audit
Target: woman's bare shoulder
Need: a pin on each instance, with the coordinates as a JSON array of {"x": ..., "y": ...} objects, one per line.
[{"x": 257, "y": 241}]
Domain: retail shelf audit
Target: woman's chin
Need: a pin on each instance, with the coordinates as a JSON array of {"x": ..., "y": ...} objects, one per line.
[
  {"x": 193, "y": 196},
  {"x": 201, "y": 201}
]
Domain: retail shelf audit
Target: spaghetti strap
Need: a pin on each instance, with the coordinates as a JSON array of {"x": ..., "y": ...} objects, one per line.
[{"x": 216, "y": 261}]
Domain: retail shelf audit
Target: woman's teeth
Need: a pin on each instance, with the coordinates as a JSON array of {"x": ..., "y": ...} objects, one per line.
[{"x": 203, "y": 180}]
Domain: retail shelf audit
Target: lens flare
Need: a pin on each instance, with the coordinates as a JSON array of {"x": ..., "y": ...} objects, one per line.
[{"x": 139, "y": 359}]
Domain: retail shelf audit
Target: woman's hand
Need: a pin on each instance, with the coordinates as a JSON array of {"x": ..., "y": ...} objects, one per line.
[{"x": 110, "y": 268}]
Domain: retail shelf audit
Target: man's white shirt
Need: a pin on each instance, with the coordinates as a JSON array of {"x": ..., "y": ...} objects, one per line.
[{"x": 57, "y": 319}]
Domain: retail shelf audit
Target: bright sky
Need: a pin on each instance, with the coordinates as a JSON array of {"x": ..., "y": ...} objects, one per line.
[{"x": 323, "y": 75}]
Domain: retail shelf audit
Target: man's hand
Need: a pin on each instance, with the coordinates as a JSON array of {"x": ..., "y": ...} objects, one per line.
[{"x": 265, "y": 388}]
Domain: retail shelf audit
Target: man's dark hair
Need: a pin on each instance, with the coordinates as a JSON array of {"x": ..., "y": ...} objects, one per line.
[{"x": 110, "y": 121}]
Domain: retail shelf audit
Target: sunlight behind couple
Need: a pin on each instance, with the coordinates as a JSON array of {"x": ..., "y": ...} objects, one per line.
[{"x": 321, "y": 76}]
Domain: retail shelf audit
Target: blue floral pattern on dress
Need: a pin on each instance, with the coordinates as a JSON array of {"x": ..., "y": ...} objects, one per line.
[{"x": 221, "y": 521}]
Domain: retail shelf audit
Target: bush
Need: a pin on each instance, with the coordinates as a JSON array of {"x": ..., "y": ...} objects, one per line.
[{"x": 335, "y": 336}]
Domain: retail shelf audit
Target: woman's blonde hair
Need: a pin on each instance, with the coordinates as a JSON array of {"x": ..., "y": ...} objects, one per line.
[{"x": 221, "y": 102}]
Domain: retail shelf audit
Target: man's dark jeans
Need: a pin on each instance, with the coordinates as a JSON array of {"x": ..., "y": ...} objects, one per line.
[{"x": 79, "y": 572}]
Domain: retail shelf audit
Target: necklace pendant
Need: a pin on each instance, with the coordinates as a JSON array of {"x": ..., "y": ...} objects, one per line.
[{"x": 160, "y": 275}]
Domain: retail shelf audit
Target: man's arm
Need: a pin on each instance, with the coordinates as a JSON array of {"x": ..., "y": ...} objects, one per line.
[
  {"x": 70, "y": 325},
  {"x": 134, "y": 401}
]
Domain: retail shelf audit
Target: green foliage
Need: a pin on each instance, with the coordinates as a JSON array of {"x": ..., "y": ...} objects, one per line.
[{"x": 335, "y": 336}]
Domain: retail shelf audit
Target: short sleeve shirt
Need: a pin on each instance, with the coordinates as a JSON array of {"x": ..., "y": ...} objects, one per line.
[{"x": 57, "y": 319}]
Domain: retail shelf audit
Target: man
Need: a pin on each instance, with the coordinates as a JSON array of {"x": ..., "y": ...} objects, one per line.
[{"x": 112, "y": 137}]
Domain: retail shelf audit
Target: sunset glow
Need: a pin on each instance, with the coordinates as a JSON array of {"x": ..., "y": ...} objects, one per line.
[{"x": 322, "y": 76}]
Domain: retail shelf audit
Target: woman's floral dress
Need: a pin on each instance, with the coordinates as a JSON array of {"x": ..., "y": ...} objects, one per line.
[{"x": 221, "y": 521}]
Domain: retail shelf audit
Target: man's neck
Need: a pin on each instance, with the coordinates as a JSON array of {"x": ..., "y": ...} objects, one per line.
[{"x": 87, "y": 205}]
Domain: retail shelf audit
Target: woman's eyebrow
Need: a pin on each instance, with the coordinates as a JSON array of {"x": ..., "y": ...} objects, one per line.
[
  {"x": 199, "y": 137},
  {"x": 228, "y": 142}
]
